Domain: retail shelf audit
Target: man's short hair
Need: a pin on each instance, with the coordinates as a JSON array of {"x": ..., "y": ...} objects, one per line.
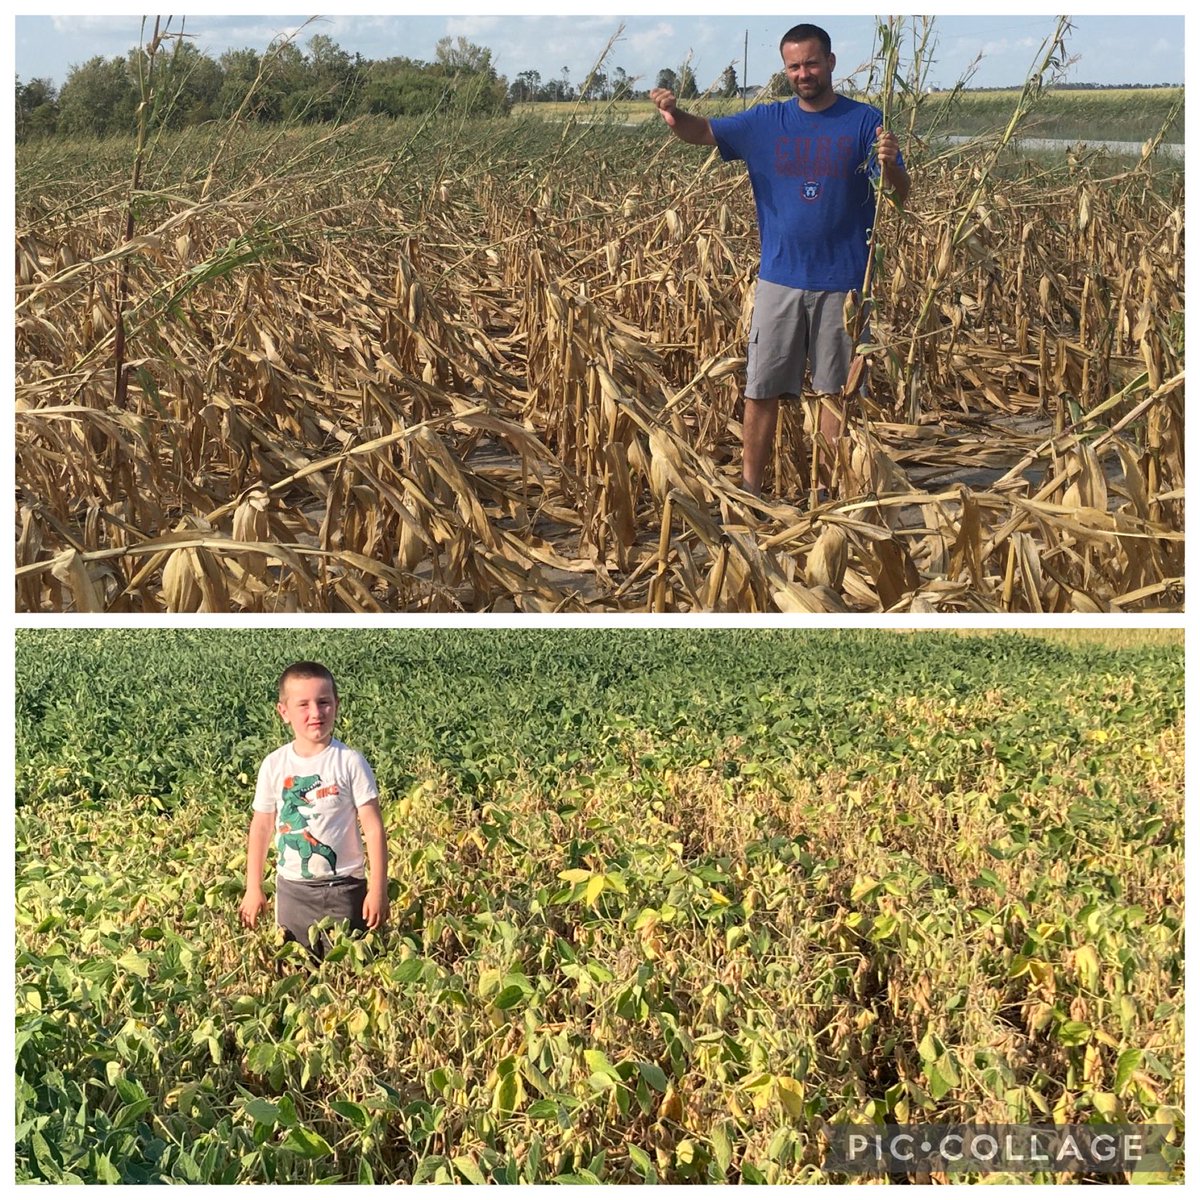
[
  {"x": 806, "y": 33},
  {"x": 307, "y": 670}
]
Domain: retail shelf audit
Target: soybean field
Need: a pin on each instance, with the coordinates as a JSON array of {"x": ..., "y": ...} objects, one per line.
[{"x": 666, "y": 903}]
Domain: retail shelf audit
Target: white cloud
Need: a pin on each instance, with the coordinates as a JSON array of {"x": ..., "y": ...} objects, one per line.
[
  {"x": 657, "y": 40},
  {"x": 74, "y": 25},
  {"x": 473, "y": 27}
]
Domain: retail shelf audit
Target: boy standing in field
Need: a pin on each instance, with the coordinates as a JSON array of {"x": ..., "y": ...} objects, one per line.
[{"x": 307, "y": 796}]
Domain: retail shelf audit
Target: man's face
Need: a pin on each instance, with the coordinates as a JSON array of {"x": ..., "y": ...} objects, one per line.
[
  {"x": 310, "y": 708},
  {"x": 809, "y": 69}
]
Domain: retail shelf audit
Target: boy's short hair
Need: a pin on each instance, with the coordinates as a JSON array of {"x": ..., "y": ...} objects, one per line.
[
  {"x": 307, "y": 670},
  {"x": 806, "y": 33}
]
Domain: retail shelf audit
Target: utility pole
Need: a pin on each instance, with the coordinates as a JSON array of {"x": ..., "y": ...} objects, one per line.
[{"x": 745, "y": 55}]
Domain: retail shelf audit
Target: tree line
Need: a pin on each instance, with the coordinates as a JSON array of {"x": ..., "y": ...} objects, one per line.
[
  {"x": 528, "y": 86},
  {"x": 188, "y": 87},
  {"x": 323, "y": 82}
]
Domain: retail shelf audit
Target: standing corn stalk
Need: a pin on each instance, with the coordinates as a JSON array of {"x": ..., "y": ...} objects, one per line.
[
  {"x": 858, "y": 307},
  {"x": 146, "y": 96},
  {"x": 1051, "y": 58}
]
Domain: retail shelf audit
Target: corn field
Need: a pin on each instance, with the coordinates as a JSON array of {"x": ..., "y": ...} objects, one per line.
[{"x": 497, "y": 367}]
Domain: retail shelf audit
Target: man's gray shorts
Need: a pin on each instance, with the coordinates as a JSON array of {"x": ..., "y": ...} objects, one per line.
[
  {"x": 301, "y": 903},
  {"x": 789, "y": 328}
]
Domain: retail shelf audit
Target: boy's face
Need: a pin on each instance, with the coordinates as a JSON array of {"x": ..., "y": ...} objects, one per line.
[{"x": 310, "y": 708}]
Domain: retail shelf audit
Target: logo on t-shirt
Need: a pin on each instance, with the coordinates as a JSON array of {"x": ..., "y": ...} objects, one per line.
[
  {"x": 811, "y": 190},
  {"x": 292, "y": 832}
]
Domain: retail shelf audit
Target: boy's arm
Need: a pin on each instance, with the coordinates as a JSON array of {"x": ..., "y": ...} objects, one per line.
[
  {"x": 375, "y": 906},
  {"x": 262, "y": 825}
]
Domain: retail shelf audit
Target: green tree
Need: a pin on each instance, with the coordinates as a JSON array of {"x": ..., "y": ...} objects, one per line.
[
  {"x": 328, "y": 60},
  {"x": 239, "y": 69},
  {"x": 402, "y": 87},
  {"x": 728, "y": 87},
  {"x": 475, "y": 88},
  {"x": 687, "y": 83},
  {"x": 481, "y": 95},
  {"x": 527, "y": 86},
  {"x": 98, "y": 98},
  {"x": 332, "y": 81},
  {"x": 36, "y": 112},
  {"x": 277, "y": 82},
  {"x": 596, "y": 87},
  {"x": 286, "y": 81},
  {"x": 459, "y": 54},
  {"x": 667, "y": 79},
  {"x": 622, "y": 85},
  {"x": 188, "y": 88}
]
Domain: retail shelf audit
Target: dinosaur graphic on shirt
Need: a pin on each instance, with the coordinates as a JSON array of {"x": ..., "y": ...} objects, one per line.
[{"x": 292, "y": 825}]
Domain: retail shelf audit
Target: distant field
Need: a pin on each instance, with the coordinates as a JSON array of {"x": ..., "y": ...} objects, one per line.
[
  {"x": 1112, "y": 114},
  {"x": 1116, "y": 114},
  {"x": 1114, "y": 639}
]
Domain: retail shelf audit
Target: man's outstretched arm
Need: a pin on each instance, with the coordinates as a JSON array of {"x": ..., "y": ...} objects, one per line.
[{"x": 686, "y": 126}]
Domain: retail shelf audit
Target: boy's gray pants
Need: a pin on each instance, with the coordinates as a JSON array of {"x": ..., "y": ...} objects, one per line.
[{"x": 301, "y": 903}]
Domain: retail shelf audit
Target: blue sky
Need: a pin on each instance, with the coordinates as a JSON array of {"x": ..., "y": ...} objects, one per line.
[{"x": 1111, "y": 49}]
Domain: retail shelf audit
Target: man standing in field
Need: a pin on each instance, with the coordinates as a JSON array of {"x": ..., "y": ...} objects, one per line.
[{"x": 809, "y": 165}]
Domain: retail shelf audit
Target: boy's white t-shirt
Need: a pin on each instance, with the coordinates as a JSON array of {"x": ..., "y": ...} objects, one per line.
[{"x": 315, "y": 801}]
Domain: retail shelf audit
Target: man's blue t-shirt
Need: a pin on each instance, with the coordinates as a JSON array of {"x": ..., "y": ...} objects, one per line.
[{"x": 810, "y": 172}]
